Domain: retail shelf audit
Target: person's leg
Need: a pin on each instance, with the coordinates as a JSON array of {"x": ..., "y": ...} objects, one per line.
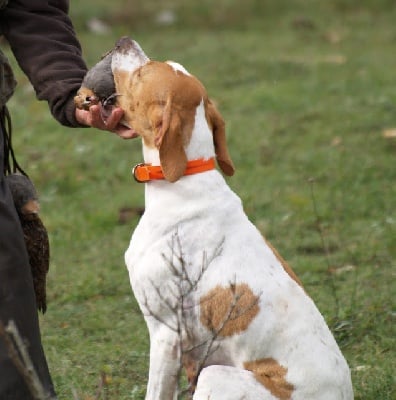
[{"x": 17, "y": 299}]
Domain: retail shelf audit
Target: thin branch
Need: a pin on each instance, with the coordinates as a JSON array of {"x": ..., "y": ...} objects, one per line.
[
  {"x": 325, "y": 247},
  {"x": 178, "y": 297},
  {"x": 75, "y": 394},
  {"x": 150, "y": 313},
  {"x": 101, "y": 387},
  {"x": 20, "y": 357},
  {"x": 157, "y": 289}
]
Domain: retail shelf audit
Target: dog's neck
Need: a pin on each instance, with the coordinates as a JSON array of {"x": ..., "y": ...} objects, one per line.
[
  {"x": 187, "y": 188},
  {"x": 187, "y": 195},
  {"x": 200, "y": 145}
]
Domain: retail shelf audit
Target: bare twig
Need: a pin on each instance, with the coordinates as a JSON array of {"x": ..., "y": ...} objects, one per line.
[
  {"x": 178, "y": 296},
  {"x": 325, "y": 248},
  {"x": 101, "y": 387},
  {"x": 20, "y": 357},
  {"x": 75, "y": 394},
  {"x": 150, "y": 313}
]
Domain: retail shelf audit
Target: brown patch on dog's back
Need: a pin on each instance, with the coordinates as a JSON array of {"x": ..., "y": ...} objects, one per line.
[
  {"x": 229, "y": 310},
  {"x": 271, "y": 375}
]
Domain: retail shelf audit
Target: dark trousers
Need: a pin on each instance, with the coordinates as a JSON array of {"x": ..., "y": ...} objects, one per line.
[{"x": 17, "y": 299}]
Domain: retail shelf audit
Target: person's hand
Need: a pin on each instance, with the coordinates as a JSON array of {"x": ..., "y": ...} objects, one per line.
[{"x": 94, "y": 117}]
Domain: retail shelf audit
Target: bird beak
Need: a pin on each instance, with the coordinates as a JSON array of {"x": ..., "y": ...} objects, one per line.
[
  {"x": 89, "y": 101},
  {"x": 84, "y": 101},
  {"x": 31, "y": 207}
]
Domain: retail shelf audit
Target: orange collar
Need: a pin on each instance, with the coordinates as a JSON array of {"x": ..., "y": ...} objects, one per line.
[{"x": 147, "y": 172}]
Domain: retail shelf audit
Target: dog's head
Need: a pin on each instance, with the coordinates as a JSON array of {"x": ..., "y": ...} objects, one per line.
[{"x": 160, "y": 101}]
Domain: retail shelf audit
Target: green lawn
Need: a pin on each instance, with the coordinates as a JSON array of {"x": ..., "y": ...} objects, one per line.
[{"x": 307, "y": 89}]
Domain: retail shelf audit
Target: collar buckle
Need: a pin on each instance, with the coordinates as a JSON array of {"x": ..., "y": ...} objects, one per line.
[{"x": 141, "y": 173}]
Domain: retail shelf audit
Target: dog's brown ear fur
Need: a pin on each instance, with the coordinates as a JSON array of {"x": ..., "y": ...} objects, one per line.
[
  {"x": 219, "y": 139},
  {"x": 170, "y": 142}
]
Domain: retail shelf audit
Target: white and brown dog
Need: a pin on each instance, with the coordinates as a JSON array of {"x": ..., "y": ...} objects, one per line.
[{"x": 216, "y": 296}]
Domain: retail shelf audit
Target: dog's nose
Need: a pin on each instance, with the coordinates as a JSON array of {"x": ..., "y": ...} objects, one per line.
[
  {"x": 125, "y": 43},
  {"x": 127, "y": 56},
  {"x": 127, "y": 46}
]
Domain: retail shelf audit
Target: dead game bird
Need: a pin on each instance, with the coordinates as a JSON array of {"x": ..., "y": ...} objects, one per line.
[
  {"x": 36, "y": 238},
  {"x": 98, "y": 85}
]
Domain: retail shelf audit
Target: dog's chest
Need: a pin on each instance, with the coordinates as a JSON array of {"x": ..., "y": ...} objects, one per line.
[{"x": 179, "y": 264}]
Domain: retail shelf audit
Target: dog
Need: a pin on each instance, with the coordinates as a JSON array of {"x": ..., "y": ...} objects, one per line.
[{"x": 216, "y": 296}]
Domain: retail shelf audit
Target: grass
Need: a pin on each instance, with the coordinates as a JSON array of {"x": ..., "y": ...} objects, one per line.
[{"x": 307, "y": 91}]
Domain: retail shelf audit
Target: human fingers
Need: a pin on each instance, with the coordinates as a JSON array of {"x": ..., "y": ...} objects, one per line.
[{"x": 91, "y": 117}]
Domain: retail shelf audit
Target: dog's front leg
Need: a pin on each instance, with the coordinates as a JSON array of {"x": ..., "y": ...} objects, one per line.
[{"x": 165, "y": 362}]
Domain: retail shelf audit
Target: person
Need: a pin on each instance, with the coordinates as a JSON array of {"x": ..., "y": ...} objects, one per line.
[{"x": 44, "y": 43}]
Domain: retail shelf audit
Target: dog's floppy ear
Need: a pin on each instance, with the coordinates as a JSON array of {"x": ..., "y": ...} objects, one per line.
[
  {"x": 170, "y": 142},
  {"x": 219, "y": 139}
]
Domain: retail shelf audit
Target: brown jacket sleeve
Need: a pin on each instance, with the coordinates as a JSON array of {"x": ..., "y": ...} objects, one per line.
[{"x": 44, "y": 43}]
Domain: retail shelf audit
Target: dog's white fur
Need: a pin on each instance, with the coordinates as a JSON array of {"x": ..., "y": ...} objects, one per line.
[{"x": 198, "y": 218}]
